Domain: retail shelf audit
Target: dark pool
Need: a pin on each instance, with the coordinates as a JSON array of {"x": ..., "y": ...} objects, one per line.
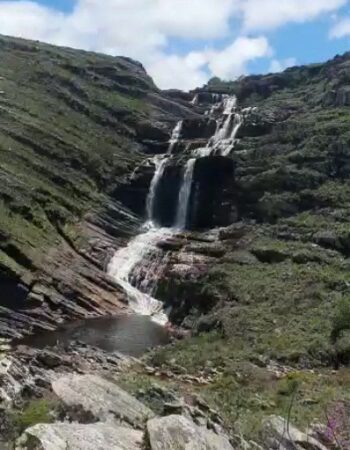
[{"x": 129, "y": 334}]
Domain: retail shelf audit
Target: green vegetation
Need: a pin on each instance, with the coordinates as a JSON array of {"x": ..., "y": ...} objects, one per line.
[
  {"x": 67, "y": 130},
  {"x": 277, "y": 305},
  {"x": 36, "y": 411},
  {"x": 15, "y": 421}
]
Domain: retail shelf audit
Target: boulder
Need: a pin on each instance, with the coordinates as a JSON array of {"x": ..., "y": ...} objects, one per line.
[
  {"x": 102, "y": 398},
  {"x": 65, "y": 436},
  {"x": 281, "y": 435},
  {"x": 180, "y": 433}
]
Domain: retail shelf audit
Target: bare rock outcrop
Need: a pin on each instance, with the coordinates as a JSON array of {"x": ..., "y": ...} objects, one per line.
[
  {"x": 179, "y": 432},
  {"x": 64, "y": 436},
  {"x": 102, "y": 398}
]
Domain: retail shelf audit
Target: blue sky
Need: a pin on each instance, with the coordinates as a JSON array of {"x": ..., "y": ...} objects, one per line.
[{"x": 182, "y": 43}]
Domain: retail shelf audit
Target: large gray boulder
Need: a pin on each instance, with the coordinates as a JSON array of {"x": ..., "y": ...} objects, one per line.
[
  {"x": 177, "y": 432},
  {"x": 65, "y": 436},
  {"x": 102, "y": 398},
  {"x": 281, "y": 435}
]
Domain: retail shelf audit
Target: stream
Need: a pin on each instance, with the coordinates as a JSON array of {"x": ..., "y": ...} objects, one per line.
[
  {"x": 130, "y": 334},
  {"x": 138, "y": 266}
]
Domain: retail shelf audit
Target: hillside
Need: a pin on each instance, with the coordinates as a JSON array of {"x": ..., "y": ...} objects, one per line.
[
  {"x": 269, "y": 301},
  {"x": 257, "y": 276},
  {"x": 73, "y": 125}
]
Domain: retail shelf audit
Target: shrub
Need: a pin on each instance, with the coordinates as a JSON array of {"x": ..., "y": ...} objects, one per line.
[{"x": 341, "y": 319}]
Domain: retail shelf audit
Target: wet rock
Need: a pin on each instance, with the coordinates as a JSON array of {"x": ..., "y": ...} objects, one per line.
[
  {"x": 63, "y": 436},
  {"x": 101, "y": 397},
  {"x": 279, "y": 434},
  {"x": 198, "y": 128},
  {"x": 178, "y": 432},
  {"x": 170, "y": 244}
]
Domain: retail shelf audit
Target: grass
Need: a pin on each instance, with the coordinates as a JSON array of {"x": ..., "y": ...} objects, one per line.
[
  {"x": 66, "y": 137},
  {"x": 273, "y": 345}
]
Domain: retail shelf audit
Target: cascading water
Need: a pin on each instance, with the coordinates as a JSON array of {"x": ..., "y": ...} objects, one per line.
[
  {"x": 127, "y": 266},
  {"x": 224, "y": 138},
  {"x": 160, "y": 163},
  {"x": 184, "y": 195},
  {"x": 175, "y": 136},
  {"x": 195, "y": 100},
  {"x": 121, "y": 269}
]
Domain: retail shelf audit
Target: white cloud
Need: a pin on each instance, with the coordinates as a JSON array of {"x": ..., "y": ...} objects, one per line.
[
  {"x": 194, "y": 69},
  {"x": 142, "y": 29},
  {"x": 340, "y": 29},
  {"x": 268, "y": 14},
  {"x": 278, "y": 65},
  {"x": 204, "y": 19},
  {"x": 230, "y": 62},
  {"x": 185, "y": 72},
  {"x": 29, "y": 20}
]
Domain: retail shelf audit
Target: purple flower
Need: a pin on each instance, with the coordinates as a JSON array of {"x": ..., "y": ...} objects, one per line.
[{"x": 337, "y": 430}]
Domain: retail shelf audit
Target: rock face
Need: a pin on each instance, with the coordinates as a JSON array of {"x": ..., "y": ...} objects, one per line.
[
  {"x": 28, "y": 371},
  {"x": 99, "y": 436},
  {"x": 178, "y": 432},
  {"x": 279, "y": 434},
  {"x": 101, "y": 398},
  {"x": 113, "y": 416}
]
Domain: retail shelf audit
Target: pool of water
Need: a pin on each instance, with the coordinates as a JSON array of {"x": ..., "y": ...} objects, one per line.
[{"x": 129, "y": 334}]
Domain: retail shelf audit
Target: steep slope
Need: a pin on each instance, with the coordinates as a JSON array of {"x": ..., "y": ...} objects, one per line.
[
  {"x": 73, "y": 126},
  {"x": 267, "y": 295},
  {"x": 260, "y": 278}
]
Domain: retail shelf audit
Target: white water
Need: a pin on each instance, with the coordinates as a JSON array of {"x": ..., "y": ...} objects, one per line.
[
  {"x": 228, "y": 125},
  {"x": 195, "y": 100},
  {"x": 124, "y": 262},
  {"x": 184, "y": 195},
  {"x": 160, "y": 163},
  {"x": 126, "y": 267},
  {"x": 175, "y": 136}
]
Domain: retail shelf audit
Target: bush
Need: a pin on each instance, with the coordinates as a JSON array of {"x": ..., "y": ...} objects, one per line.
[{"x": 341, "y": 319}]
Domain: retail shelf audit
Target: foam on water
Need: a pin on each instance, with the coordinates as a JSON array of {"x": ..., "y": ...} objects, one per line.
[{"x": 125, "y": 261}]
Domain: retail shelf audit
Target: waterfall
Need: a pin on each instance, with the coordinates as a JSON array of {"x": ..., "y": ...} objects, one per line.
[
  {"x": 184, "y": 195},
  {"x": 123, "y": 264},
  {"x": 224, "y": 139},
  {"x": 175, "y": 136},
  {"x": 138, "y": 266},
  {"x": 160, "y": 163},
  {"x": 195, "y": 100}
]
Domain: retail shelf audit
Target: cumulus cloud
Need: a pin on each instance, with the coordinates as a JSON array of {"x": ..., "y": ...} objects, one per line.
[
  {"x": 29, "y": 20},
  {"x": 278, "y": 65},
  {"x": 269, "y": 14},
  {"x": 340, "y": 29},
  {"x": 194, "y": 69},
  {"x": 231, "y": 62},
  {"x": 146, "y": 29},
  {"x": 185, "y": 72}
]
